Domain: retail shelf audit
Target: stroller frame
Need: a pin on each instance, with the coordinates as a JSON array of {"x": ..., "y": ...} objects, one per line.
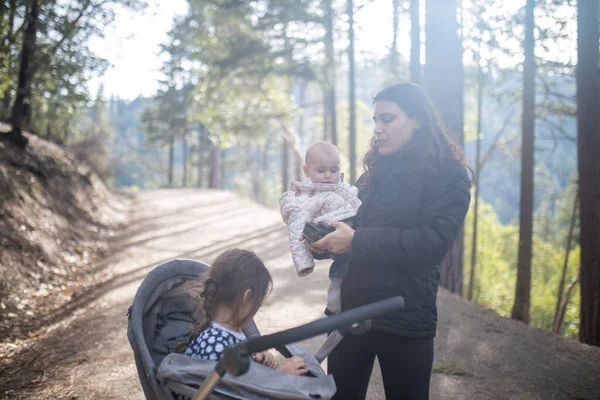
[{"x": 159, "y": 292}]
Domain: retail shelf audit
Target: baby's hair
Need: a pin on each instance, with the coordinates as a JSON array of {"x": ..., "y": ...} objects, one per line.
[
  {"x": 231, "y": 275},
  {"x": 326, "y": 147}
]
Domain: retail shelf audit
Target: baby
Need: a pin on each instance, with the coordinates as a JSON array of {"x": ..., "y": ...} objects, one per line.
[{"x": 325, "y": 199}]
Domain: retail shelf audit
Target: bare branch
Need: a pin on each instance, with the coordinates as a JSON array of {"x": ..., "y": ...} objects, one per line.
[{"x": 494, "y": 143}]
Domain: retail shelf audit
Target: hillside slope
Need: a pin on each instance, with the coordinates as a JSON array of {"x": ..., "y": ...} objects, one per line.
[{"x": 56, "y": 218}]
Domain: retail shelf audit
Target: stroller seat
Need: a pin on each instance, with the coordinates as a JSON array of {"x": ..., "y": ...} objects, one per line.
[{"x": 162, "y": 315}]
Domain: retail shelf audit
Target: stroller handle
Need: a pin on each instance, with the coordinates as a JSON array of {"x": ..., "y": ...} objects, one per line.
[
  {"x": 338, "y": 321},
  {"x": 236, "y": 359}
]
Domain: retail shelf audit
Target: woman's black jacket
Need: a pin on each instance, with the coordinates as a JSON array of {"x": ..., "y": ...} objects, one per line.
[{"x": 404, "y": 228}]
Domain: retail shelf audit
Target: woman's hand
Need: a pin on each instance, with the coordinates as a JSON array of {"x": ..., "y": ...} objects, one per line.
[
  {"x": 338, "y": 241},
  {"x": 265, "y": 358},
  {"x": 294, "y": 366}
]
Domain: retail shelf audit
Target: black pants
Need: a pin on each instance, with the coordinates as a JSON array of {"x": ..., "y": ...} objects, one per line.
[{"x": 405, "y": 366}]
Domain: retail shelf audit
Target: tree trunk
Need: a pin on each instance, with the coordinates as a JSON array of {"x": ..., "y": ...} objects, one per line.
[
  {"x": 48, "y": 130},
  {"x": 520, "y": 309},
  {"x": 352, "y": 91},
  {"x": 561, "y": 285},
  {"x": 215, "y": 166},
  {"x": 184, "y": 148},
  {"x": 394, "y": 59},
  {"x": 171, "y": 160},
  {"x": 285, "y": 166},
  {"x": 256, "y": 176},
  {"x": 325, "y": 113},
  {"x": 201, "y": 152},
  {"x": 2, "y": 12},
  {"x": 301, "y": 99},
  {"x": 563, "y": 308},
  {"x": 330, "y": 69},
  {"x": 223, "y": 168},
  {"x": 588, "y": 144},
  {"x": 444, "y": 80},
  {"x": 67, "y": 131},
  {"x": 477, "y": 182},
  {"x": 415, "y": 42},
  {"x": 264, "y": 168},
  {"x": 10, "y": 41},
  {"x": 25, "y": 77}
]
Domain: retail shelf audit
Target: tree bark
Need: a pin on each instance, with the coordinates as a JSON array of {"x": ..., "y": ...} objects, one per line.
[
  {"x": 443, "y": 82},
  {"x": 588, "y": 144},
  {"x": 415, "y": 43},
  {"x": 25, "y": 77},
  {"x": 352, "y": 90},
  {"x": 520, "y": 309}
]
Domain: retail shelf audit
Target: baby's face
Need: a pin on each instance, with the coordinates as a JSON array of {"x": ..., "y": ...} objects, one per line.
[{"x": 323, "y": 169}]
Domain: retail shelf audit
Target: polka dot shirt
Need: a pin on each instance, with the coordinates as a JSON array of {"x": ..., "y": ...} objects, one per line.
[{"x": 210, "y": 343}]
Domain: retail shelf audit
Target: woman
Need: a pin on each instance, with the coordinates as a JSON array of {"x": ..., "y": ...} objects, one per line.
[{"x": 415, "y": 194}]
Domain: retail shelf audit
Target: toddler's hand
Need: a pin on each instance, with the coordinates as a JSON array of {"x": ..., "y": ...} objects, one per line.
[
  {"x": 310, "y": 246},
  {"x": 265, "y": 358},
  {"x": 294, "y": 366}
]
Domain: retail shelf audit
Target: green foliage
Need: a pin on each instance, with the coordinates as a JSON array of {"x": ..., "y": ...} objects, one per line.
[
  {"x": 136, "y": 163},
  {"x": 62, "y": 62},
  {"x": 495, "y": 276}
]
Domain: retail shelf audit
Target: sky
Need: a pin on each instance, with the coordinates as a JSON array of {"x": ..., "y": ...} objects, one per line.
[{"x": 131, "y": 44}]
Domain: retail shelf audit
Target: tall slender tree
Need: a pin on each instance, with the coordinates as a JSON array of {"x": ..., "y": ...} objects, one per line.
[
  {"x": 588, "y": 145},
  {"x": 559, "y": 298},
  {"x": 415, "y": 42},
  {"x": 520, "y": 309},
  {"x": 443, "y": 82},
  {"x": 23, "y": 100},
  {"x": 201, "y": 155},
  {"x": 352, "y": 92},
  {"x": 394, "y": 55},
  {"x": 330, "y": 69},
  {"x": 7, "y": 44},
  {"x": 480, "y": 84}
]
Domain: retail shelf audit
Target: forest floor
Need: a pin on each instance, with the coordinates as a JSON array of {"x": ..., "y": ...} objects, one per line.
[{"x": 82, "y": 352}]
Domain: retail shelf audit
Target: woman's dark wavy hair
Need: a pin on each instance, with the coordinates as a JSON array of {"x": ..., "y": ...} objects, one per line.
[{"x": 430, "y": 147}]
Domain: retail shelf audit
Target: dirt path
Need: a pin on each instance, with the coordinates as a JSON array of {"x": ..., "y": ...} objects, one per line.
[{"x": 478, "y": 354}]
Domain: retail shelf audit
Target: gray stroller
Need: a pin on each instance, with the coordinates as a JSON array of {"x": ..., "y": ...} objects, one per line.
[{"x": 162, "y": 315}]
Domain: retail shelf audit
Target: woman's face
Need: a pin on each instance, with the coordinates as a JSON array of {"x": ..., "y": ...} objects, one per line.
[{"x": 393, "y": 128}]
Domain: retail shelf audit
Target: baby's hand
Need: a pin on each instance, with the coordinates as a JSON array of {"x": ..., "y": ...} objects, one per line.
[
  {"x": 310, "y": 246},
  {"x": 294, "y": 366},
  {"x": 265, "y": 358}
]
